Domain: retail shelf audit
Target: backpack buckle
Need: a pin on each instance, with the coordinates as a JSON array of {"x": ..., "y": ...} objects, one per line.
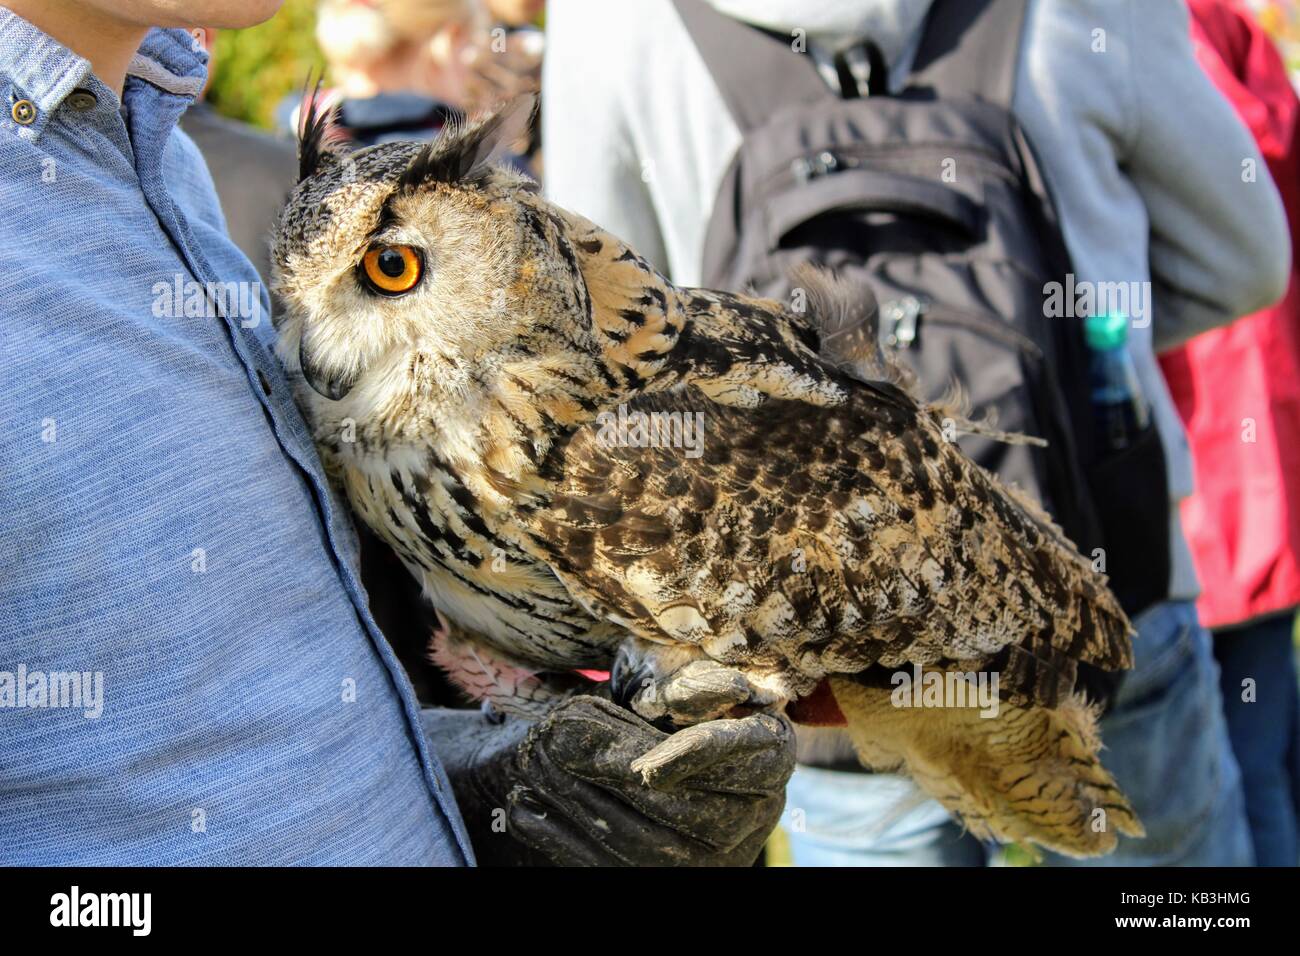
[{"x": 860, "y": 71}]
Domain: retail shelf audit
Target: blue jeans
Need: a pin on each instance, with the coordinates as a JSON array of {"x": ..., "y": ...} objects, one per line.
[
  {"x": 1166, "y": 743},
  {"x": 1265, "y": 731},
  {"x": 841, "y": 818}
]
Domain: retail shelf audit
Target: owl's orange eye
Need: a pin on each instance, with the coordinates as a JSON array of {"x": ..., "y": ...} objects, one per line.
[{"x": 392, "y": 270}]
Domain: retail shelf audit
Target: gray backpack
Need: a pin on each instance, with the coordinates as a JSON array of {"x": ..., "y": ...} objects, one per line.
[{"x": 933, "y": 200}]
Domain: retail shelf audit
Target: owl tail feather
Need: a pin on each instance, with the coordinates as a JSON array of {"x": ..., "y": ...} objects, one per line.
[{"x": 1027, "y": 775}]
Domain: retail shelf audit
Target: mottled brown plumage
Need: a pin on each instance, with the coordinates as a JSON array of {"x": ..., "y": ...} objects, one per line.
[{"x": 827, "y": 530}]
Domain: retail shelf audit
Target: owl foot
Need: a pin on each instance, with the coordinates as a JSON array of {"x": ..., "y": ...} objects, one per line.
[{"x": 677, "y": 687}]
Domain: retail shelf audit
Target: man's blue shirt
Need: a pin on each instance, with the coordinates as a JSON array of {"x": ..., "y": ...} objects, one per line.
[{"x": 166, "y": 531}]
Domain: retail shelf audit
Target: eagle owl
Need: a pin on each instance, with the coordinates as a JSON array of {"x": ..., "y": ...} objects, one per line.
[{"x": 467, "y": 356}]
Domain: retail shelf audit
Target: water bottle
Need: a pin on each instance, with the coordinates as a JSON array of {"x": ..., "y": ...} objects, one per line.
[{"x": 1118, "y": 407}]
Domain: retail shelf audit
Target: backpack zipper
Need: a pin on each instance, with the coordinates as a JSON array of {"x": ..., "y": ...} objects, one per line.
[
  {"x": 825, "y": 162},
  {"x": 901, "y": 319}
]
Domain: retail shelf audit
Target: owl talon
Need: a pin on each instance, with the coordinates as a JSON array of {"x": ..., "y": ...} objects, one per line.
[
  {"x": 627, "y": 680},
  {"x": 696, "y": 692}
]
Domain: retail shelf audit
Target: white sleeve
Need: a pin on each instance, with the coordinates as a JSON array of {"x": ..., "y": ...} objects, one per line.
[{"x": 590, "y": 159}]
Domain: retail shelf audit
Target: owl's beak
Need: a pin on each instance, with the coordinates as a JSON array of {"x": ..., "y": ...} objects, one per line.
[{"x": 333, "y": 387}]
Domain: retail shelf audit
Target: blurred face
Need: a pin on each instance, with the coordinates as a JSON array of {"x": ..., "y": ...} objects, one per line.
[{"x": 232, "y": 14}]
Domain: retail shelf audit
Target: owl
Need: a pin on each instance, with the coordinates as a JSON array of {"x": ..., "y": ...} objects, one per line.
[{"x": 586, "y": 466}]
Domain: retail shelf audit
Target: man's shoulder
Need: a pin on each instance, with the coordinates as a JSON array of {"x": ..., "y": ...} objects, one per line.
[
  {"x": 613, "y": 34},
  {"x": 189, "y": 180},
  {"x": 1099, "y": 18}
]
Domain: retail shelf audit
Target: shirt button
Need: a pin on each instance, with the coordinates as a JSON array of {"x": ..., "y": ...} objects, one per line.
[
  {"x": 24, "y": 112},
  {"x": 261, "y": 380},
  {"x": 82, "y": 100}
]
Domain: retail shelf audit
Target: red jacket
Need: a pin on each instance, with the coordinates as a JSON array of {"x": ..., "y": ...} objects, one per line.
[{"x": 1238, "y": 388}]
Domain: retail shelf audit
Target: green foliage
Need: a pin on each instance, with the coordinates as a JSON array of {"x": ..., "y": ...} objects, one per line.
[
  {"x": 777, "y": 851},
  {"x": 1019, "y": 854},
  {"x": 255, "y": 69}
]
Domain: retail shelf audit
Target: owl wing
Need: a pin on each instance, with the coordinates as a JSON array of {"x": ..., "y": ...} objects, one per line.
[{"x": 819, "y": 540}]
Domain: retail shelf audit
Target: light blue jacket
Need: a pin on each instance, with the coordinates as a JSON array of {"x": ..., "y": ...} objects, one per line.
[{"x": 188, "y": 672}]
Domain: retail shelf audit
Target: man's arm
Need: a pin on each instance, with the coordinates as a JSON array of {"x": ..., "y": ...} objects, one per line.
[{"x": 1220, "y": 247}]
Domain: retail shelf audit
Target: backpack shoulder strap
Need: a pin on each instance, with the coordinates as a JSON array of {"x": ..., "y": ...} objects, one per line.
[
  {"x": 971, "y": 47},
  {"x": 756, "y": 72}
]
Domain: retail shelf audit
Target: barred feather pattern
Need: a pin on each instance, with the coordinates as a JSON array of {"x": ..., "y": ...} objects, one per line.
[{"x": 825, "y": 531}]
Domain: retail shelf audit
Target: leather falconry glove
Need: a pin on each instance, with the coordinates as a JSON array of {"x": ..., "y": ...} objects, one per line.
[{"x": 592, "y": 784}]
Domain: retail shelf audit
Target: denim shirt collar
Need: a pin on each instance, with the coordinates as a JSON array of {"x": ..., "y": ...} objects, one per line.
[{"x": 36, "y": 67}]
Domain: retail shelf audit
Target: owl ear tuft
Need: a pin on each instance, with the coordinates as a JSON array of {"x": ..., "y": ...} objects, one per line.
[
  {"x": 459, "y": 152},
  {"x": 316, "y": 131}
]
